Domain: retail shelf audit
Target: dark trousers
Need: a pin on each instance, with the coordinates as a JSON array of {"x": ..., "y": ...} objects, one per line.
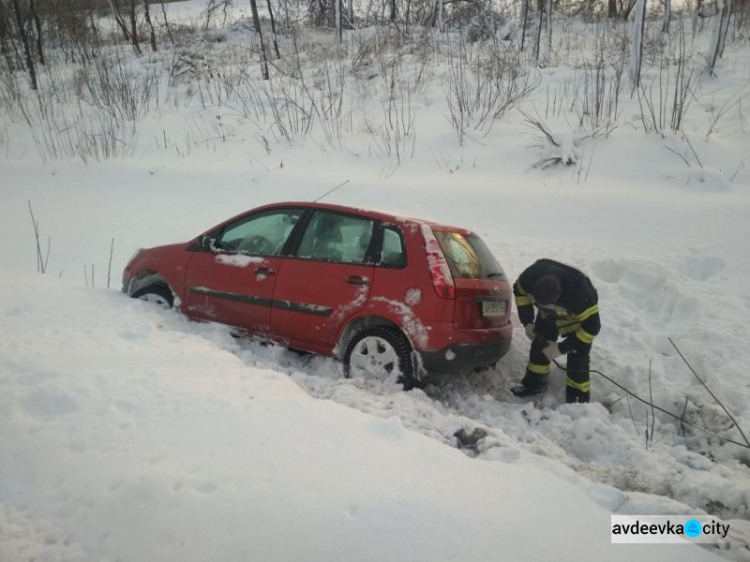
[{"x": 538, "y": 369}]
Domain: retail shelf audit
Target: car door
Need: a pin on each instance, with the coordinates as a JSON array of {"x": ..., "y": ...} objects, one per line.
[
  {"x": 325, "y": 281},
  {"x": 233, "y": 283}
]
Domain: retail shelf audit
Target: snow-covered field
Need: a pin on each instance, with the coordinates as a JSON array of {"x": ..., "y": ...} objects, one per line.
[{"x": 131, "y": 434}]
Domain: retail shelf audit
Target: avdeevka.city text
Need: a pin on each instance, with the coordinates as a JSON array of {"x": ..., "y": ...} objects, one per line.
[{"x": 668, "y": 528}]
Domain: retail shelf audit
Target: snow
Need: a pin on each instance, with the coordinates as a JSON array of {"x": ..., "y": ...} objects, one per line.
[
  {"x": 238, "y": 260},
  {"x": 133, "y": 434},
  {"x": 127, "y": 433},
  {"x": 413, "y": 326},
  {"x": 412, "y": 297}
]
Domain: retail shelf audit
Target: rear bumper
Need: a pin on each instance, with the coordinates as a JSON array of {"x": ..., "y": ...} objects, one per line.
[
  {"x": 456, "y": 349},
  {"x": 459, "y": 357}
]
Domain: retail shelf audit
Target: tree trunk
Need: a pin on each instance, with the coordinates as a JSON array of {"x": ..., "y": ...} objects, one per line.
[
  {"x": 134, "y": 28},
  {"x": 393, "y": 10},
  {"x": 273, "y": 29},
  {"x": 38, "y": 27},
  {"x": 548, "y": 9},
  {"x": 4, "y": 51},
  {"x": 115, "y": 7},
  {"x": 612, "y": 8},
  {"x": 667, "y": 16},
  {"x": 166, "y": 23},
  {"x": 626, "y": 12},
  {"x": 152, "y": 33},
  {"x": 25, "y": 44},
  {"x": 636, "y": 47},
  {"x": 259, "y": 31},
  {"x": 721, "y": 25},
  {"x": 698, "y": 7},
  {"x": 94, "y": 35},
  {"x": 441, "y": 9},
  {"x": 525, "y": 18},
  {"x": 337, "y": 16},
  {"x": 538, "y": 42}
]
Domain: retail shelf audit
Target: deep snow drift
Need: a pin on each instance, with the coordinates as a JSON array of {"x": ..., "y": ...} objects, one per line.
[
  {"x": 134, "y": 434},
  {"x": 130, "y": 434}
]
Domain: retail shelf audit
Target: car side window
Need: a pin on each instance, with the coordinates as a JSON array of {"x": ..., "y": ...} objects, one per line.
[
  {"x": 336, "y": 238},
  {"x": 263, "y": 234},
  {"x": 393, "y": 253}
]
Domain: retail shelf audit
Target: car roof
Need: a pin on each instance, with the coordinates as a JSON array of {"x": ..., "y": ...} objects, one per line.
[{"x": 383, "y": 216}]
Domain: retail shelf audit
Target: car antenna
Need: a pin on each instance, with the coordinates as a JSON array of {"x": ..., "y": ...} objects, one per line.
[{"x": 331, "y": 191}]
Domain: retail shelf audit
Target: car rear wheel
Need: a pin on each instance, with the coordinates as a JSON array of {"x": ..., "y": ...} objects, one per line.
[
  {"x": 158, "y": 294},
  {"x": 380, "y": 353}
]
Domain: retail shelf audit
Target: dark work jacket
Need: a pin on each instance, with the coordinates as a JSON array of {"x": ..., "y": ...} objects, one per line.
[{"x": 576, "y": 313}]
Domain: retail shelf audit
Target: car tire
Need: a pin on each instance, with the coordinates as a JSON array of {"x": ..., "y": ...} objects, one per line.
[
  {"x": 158, "y": 293},
  {"x": 382, "y": 353}
]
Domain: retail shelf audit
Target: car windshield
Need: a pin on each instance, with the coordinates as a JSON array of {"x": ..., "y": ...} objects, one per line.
[{"x": 468, "y": 256}]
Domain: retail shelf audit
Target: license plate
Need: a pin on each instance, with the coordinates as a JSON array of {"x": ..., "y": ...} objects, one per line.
[{"x": 493, "y": 308}]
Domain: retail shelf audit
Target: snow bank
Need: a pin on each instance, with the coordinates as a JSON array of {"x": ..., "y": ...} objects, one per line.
[{"x": 130, "y": 434}]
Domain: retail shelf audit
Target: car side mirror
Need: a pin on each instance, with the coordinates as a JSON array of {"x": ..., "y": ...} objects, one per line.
[{"x": 206, "y": 242}]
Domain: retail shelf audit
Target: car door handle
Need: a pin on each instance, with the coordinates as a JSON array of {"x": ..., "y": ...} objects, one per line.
[
  {"x": 264, "y": 271},
  {"x": 356, "y": 280}
]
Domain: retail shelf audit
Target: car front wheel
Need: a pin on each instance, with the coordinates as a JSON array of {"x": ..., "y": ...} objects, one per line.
[
  {"x": 158, "y": 294},
  {"x": 381, "y": 353}
]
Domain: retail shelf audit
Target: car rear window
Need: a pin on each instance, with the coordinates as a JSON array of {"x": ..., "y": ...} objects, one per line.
[{"x": 468, "y": 257}]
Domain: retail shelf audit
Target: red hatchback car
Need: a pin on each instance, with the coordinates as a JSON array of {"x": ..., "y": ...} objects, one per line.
[{"x": 393, "y": 297}]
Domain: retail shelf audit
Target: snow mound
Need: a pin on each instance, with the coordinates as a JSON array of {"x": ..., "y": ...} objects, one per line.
[
  {"x": 701, "y": 180},
  {"x": 132, "y": 434}
]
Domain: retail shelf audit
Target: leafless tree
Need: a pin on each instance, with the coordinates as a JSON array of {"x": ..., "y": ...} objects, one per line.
[
  {"x": 166, "y": 23},
  {"x": 38, "y": 28},
  {"x": 24, "y": 37},
  {"x": 667, "y": 16},
  {"x": 273, "y": 29},
  {"x": 525, "y": 18},
  {"x": 721, "y": 25},
  {"x": 636, "y": 47},
  {"x": 259, "y": 31},
  {"x": 119, "y": 19},
  {"x": 133, "y": 16},
  {"x": 5, "y": 48},
  {"x": 337, "y": 11},
  {"x": 152, "y": 33},
  {"x": 538, "y": 40}
]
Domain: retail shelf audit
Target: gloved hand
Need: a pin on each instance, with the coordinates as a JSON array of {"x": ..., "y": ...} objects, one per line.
[
  {"x": 530, "y": 332},
  {"x": 552, "y": 351}
]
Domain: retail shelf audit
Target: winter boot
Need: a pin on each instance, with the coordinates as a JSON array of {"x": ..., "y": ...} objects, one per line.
[
  {"x": 575, "y": 396},
  {"x": 523, "y": 391}
]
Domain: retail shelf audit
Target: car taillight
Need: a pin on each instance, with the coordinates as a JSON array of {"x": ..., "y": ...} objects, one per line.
[{"x": 442, "y": 279}]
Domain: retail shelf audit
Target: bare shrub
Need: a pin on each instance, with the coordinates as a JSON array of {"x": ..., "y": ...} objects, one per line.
[
  {"x": 666, "y": 99},
  {"x": 117, "y": 87},
  {"x": 479, "y": 94},
  {"x": 96, "y": 136},
  {"x": 600, "y": 106},
  {"x": 395, "y": 135},
  {"x": 42, "y": 257}
]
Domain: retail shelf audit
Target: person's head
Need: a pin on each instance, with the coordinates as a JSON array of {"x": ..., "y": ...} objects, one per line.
[{"x": 546, "y": 290}]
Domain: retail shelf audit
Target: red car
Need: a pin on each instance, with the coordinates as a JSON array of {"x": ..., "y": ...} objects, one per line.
[{"x": 393, "y": 297}]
